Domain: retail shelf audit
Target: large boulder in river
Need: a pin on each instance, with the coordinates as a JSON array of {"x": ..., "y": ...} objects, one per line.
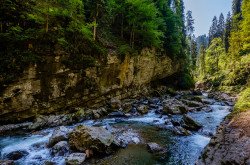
[
  {"x": 174, "y": 108},
  {"x": 59, "y": 134},
  {"x": 60, "y": 149},
  {"x": 190, "y": 124},
  {"x": 15, "y": 155},
  {"x": 75, "y": 159},
  {"x": 97, "y": 139}
]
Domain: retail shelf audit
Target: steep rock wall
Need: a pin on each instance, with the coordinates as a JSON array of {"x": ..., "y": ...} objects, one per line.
[{"x": 51, "y": 87}]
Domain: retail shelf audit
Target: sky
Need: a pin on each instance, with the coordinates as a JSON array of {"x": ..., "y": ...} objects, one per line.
[{"x": 204, "y": 11}]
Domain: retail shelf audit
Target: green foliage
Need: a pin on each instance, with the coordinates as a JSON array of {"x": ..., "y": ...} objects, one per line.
[
  {"x": 243, "y": 102},
  {"x": 227, "y": 65}
]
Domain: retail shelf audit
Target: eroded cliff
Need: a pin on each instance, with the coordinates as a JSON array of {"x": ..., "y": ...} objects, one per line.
[{"x": 50, "y": 87}]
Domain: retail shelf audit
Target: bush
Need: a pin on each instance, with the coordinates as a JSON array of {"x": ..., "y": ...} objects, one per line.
[{"x": 243, "y": 102}]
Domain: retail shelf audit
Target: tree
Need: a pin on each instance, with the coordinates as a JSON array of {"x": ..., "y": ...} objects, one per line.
[
  {"x": 201, "y": 64},
  {"x": 245, "y": 33},
  {"x": 213, "y": 31},
  {"x": 228, "y": 28},
  {"x": 236, "y": 6},
  {"x": 221, "y": 26},
  {"x": 189, "y": 24}
]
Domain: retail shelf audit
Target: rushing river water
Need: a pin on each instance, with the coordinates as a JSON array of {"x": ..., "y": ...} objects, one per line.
[{"x": 181, "y": 149}]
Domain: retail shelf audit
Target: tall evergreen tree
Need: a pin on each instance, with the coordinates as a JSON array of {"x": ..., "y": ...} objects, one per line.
[
  {"x": 213, "y": 29},
  {"x": 189, "y": 23},
  {"x": 236, "y": 7},
  {"x": 221, "y": 26},
  {"x": 228, "y": 27}
]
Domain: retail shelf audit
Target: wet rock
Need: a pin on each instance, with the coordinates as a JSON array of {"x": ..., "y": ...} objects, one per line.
[
  {"x": 192, "y": 103},
  {"x": 154, "y": 147},
  {"x": 142, "y": 109},
  {"x": 75, "y": 159},
  {"x": 174, "y": 109},
  {"x": 7, "y": 162},
  {"x": 190, "y": 123},
  {"x": 14, "y": 127},
  {"x": 51, "y": 121},
  {"x": 127, "y": 136},
  {"x": 181, "y": 131},
  {"x": 117, "y": 114},
  {"x": 59, "y": 134},
  {"x": 175, "y": 122},
  {"x": 15, "y": 155},
  {"x": 136, "y": 140},
  {"x": 61, "y": 148},
  {"x": 127, "y": 106},
  {"x": 97, "y": 139},
  {"x": 115, "y": 104},
  {"x": 98, "y": 113}
]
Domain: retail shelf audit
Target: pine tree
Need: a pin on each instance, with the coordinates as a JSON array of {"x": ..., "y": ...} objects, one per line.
[
  {"x": 213, "y": 31},
  {"x": 189, "y": 23},
  {"x": 236, "y": 7},
  {"x": 228, "y": 28},
  {"x": 221, "y": 26}
]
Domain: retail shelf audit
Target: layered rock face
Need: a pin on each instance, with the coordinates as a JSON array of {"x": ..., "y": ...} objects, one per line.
[{"x": 50, "y": 87}]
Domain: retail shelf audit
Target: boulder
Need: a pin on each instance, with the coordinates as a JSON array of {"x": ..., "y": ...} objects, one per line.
[
  {"x": 98, "y": 113},
  {"x": 192, "y": 103},
  {"x": 60, "y": 149},
  {"x": 174, "y": 109},
  {"x": 51, "y": 121},
  {"x": 59, "y": 134},
  {"x": 190, "y": 124},
  {"x": 142, "y": 109},
  {"x": 115, "y": 104},
  {"x": 178, "y": 130},
  {"x": 75, "y": 159},
  {"x": 97, "y": 139},
  {"x": 7, "y": 162},
  {"x": 154, "y": 147},
  {"x": 16, "y": 155}
]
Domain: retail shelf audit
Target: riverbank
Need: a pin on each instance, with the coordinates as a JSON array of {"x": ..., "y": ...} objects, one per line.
[{"x": 231, "y": 144}]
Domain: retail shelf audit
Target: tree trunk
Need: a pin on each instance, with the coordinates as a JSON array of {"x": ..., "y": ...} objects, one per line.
[
  {"x": 95, "y": 23},
  {"x": 94, "y": 29}
]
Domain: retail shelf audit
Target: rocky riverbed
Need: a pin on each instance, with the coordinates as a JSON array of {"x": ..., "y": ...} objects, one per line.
[{"x": 171, "y": 129}]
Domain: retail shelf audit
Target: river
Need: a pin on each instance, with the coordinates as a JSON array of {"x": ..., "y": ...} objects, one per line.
[{"x": 180, "y": 149}]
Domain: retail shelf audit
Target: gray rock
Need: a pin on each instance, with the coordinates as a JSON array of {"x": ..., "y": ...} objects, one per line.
[
  {"x": 75, "y": 159},
  {"x": 60, "y": 149},
  {"x": 115, "y": 104},
  {"x": 98, "y": 113},
  {"x": 154, "y": 147},
  {"x": 178, "y": 130},
  {"x": 97, "y": 139},
  {"x": 15, "y": 155},
  {"x": 59, "y": 134},
  {"x": 190, "y": 123},
  {"x": 142, "y": 109}
]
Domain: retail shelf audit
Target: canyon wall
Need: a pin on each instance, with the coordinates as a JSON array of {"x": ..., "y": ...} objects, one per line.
[{"x": 50, "y": 87}]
